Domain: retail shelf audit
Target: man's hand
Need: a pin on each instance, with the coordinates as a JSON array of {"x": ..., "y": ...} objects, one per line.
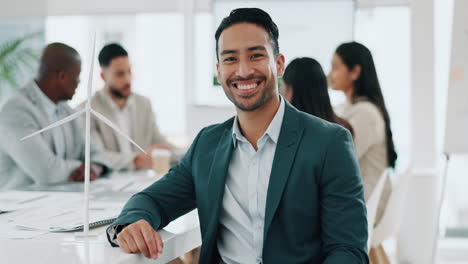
[
  {"x": 140, "y": 237},
  {"x": 143, "y": 161},
  {"x": 79, "y": 173}
]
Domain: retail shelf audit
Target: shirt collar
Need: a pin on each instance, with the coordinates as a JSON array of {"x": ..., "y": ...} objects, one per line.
[
  {"x": 49, "y": 106},
  {"x": 272, "y": 131}
]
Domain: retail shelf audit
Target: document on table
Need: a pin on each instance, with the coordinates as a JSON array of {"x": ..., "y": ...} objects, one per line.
[
  {"x": 9, "y": 231},
  {"x": 62, "y": 219},
  {"x": 15, "y": 200},
  {"x": 32, "y": 213}
]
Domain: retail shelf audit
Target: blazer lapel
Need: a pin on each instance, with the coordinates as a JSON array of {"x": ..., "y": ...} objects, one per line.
[
  {"x": 107, "y": 111},
  {"x": 41, "y": 115},
  {"x": 288, "y": 142},
  {"x": 30, "y": 93},
  {"x": 216, "y": 183}
]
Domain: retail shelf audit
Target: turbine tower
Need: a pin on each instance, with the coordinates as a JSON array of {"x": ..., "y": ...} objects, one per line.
[{"x": 88, "y": 110}]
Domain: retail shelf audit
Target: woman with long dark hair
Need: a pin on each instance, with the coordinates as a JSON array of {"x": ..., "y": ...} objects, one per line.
[
  {"x": 304, "y": 85},
  {"x": 353, "y": 72}
]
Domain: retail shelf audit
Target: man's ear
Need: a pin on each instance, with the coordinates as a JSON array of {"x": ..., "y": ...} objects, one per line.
[
  {"x": 218, "y": 74},
  {"x": 103, "y": 76},
  {"x": 61, "y": 75},
  {"x": 280, "y": 64}
]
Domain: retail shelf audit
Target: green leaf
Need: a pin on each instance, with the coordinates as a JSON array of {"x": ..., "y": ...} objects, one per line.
[{"x": 17, "y": 59}]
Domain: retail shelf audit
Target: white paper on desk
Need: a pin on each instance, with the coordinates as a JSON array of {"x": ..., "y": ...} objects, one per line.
[
  {"x": 9, "y": 231},
  {"x": 112, "y": 184},
  {"x": 65, "y": 220},
  {"x": 14, "y": 200}
]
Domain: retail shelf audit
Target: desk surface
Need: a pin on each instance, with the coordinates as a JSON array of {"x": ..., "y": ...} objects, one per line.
[{"x": 179, "y": 237}]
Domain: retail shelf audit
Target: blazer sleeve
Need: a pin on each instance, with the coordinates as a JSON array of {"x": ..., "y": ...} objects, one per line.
[
  {"x": 95, "y": 134},
  {"x": 109, "y": 159},
  {"x": 33, "y": 156},
  {"x": 166, "y": 199},
  {"x": 343, "y": 210}
]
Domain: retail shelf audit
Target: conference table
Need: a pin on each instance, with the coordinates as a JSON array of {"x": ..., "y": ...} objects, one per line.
[{"x": 109, "y": 194}]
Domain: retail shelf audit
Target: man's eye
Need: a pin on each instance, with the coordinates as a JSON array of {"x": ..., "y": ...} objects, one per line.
[
  {"x": 229, "y": 59},
  {"x": 257, "y": 55}
]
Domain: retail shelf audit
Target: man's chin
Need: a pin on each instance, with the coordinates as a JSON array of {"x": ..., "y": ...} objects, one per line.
[
  {"x": 121, "y": 95},
  {"x": 248, "y": 106}
]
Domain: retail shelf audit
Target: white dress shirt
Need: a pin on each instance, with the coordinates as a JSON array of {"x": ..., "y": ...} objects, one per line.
[
  {"x": 122, "y": 116},
  {"x": 242, "y": 215}
]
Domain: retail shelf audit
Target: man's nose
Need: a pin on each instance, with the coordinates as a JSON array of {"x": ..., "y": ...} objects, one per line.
[{"x": 244, "y": 69}]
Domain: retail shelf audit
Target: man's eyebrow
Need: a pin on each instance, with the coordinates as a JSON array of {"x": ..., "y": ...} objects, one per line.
[
  {"x": 259, "y": 47},
  {"x": 224, "y": 52}
]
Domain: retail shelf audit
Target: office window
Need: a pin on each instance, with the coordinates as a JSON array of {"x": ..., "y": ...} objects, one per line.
[
  {"x": 386, "y": 32},
  {"x": 155, "y": 46}
]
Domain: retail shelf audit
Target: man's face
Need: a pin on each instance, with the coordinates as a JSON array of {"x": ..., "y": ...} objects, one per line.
[
  {"x": 118, "y": 77},
  {"x": 247, "y": 67},
  {"x": 69, "y": 81}
]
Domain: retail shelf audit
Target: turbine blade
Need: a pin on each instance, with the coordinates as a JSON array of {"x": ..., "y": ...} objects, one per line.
[
  {"x": 91, "y": 70},
  {"x": 109, "y": 123},
  {"x": 58, "y": 123}
]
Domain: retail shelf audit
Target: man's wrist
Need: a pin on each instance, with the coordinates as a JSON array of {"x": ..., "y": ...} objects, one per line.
[{"x": 112, "y": 233}]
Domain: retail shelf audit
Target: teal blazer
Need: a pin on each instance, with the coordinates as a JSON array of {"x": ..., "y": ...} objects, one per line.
[{"x": 315, "y": 209}]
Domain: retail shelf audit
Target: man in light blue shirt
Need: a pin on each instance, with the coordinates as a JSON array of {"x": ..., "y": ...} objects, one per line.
[
  {"x": 243, "y": 209},
  {"x": 271, "y": 185}
]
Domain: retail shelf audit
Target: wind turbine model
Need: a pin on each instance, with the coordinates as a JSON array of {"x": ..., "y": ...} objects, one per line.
[{"x": 88, "y": 110}]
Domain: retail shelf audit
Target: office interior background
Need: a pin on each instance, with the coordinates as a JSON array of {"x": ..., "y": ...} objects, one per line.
[{"x": 171, "y": 47}]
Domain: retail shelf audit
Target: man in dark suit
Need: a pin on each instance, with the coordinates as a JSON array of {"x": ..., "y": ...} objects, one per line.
[{"x": 271, "y": 185}]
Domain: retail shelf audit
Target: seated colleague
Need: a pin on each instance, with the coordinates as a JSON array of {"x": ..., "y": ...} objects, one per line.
[
  {"x": 304, "y": 85},
  {"x": 272, "y": 184},
  {"x": 56, "y": 155},
  {"x": 353, "y": 72},
  {"x": 131, "y": 112}
]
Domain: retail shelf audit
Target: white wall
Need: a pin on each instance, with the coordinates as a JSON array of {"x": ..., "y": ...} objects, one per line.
[{"x": 42, "y": 8}]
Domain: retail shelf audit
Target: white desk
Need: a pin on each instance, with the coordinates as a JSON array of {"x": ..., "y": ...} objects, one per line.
[{"x": 179, "y": 237}]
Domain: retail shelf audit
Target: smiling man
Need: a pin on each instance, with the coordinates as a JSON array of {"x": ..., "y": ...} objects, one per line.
[{"x": 271, "y": 185}]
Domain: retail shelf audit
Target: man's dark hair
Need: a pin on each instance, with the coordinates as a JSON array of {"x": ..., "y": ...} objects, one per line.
[
  {"x": 57, "y": 57},
  {"x": 254, "y": 16},
  {"x": 110, "y": 52}
]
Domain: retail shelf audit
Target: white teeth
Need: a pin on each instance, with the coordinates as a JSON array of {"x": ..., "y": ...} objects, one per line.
[{"x": 246, "y": 87}]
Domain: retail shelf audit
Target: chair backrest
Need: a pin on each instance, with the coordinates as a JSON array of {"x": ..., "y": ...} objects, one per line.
[
  {"x": 394, "y": 211},
  {"x": 373, "y": 203}
]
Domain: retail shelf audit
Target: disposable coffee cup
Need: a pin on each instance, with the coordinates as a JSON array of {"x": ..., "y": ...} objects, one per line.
[{"x": 161, "y": 160}]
